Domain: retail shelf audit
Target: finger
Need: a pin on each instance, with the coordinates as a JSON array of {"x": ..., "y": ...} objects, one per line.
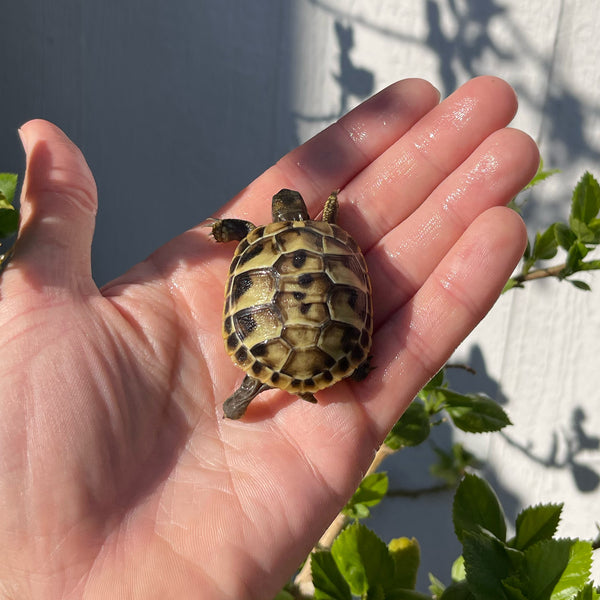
[
  {"x": 418, "y": 338},
  {"x": 491, "y": 176},
  {"x": 58, "y": 209},
  {"x": 398, "y": 181},
  {"x": 334, "y": 156}
]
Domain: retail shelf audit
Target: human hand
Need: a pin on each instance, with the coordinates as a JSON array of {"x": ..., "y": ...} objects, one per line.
[{"x": 119, "y": 478}]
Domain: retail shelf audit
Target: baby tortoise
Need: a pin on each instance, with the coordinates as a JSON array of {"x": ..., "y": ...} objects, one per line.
[{"x": 298, "y": 310}]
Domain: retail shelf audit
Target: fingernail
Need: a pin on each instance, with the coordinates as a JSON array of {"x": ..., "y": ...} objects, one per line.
[{"x": 23, "y": 139}]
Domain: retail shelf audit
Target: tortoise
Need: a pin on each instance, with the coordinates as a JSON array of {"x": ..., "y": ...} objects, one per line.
[{"x": 298, "y": 311}]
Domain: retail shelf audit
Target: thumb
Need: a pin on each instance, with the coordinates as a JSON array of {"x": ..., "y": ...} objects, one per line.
[{"x": 58, "y": 210}]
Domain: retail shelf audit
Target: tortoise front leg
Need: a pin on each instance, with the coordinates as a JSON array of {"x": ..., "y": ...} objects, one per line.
[
  {"x": 235, "y": 406},
  {"x": 330, "y": 209},
  {"x": 229, "y": 230}
]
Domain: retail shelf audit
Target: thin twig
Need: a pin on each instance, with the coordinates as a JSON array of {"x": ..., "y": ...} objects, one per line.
[
  {"x": 303, "y": 581},
  {"x": 539, "y": 273}
]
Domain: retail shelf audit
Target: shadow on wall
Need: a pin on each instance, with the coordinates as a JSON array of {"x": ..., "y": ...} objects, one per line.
[
  {"x": 562, "y": 127},
  {"x": 352, "y": 80},
  {"x": 460, "y": 35}
]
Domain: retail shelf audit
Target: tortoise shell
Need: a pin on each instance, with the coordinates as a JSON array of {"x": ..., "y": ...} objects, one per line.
[{"x": 298, "y": 308}]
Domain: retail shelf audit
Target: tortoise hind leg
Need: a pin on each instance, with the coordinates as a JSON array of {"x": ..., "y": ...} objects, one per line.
[
  {"x": 308, "y": 397},
  {"x": 362, "y": 370},
  {"x": 228, "y": 230},
  {"x": 235, "y": 406},
  {"x": 330, "y": 209}
]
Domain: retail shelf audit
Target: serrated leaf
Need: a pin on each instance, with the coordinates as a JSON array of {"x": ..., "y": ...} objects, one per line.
[
  {"x": 327, "y": 579},
  {"x": 577, "y": 572},
  {"x": 411, "y": 429},
  {"x": 553, "y": 569},
  {"x": 406, "y": 555},
  {"x": 371, "y": 491},
  {"x": 585, "y": 203},
  {"x": 540, "y": 175},
  {"x": 458, "y": 572},
  {"x": 536, "y": 523},
  {"x": 545, "y": 245},
  {"x": 8, "y": 186},
  {"x": 486, "y": 565},
  {"x": 475, "y": 413},
  {"x": 362, "y": 559},
  {"x": 476, "y": 508}
]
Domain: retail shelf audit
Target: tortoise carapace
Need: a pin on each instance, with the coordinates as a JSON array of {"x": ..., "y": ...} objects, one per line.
[{"x": 298, "y": 309}]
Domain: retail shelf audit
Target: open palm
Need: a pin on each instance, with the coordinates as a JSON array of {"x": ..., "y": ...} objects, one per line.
[{"x": 119, "y": 477}]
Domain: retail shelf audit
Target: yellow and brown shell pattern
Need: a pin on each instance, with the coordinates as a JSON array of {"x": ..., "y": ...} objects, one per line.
[{"x": 298, "y": 309}]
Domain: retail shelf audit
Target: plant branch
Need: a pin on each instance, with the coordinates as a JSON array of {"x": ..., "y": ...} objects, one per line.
[
  {"x": 303, "y": 581},
  {"x": 539, "y": 273}
]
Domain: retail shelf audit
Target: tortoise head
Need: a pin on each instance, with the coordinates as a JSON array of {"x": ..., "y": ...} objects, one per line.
[{"x": 288, "y": 205}]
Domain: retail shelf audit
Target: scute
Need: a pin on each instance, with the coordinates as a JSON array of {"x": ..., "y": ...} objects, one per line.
[{"x": 298, "y": 311}]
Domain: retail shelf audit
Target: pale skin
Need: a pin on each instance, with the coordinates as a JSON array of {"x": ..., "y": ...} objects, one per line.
[{"x": 119, "y": 478}]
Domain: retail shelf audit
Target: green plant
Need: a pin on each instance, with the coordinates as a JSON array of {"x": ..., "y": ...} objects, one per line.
[
  {"x": 9, "y": 217},
  {"x": 351, "y": 561}
]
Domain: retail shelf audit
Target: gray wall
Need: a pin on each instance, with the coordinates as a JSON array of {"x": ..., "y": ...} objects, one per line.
[{"x": 176, "y": 106}]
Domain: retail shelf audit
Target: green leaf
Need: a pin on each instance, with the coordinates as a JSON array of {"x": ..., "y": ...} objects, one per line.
[
  {"x": 371, "y": 491},
  {"x": 9, "y": 222},
  {"x": 510, "y": 284},
  {"x": 458, "y": 572},
  {"x": 575, "y": 255},
  {"x": 587, "y": 593},
  {"x": 564, "y": 236},
  {"x": 458, "y": 591},
  {"x": 581, "y": 285},
  {"x": 327, "y": 579},
  {"x": 540, "y": 175},
  {"x": 406, "y": 555},
  {"x": 585, "y": 203},
  {"x": 536, "y": 523},
  {"x": 577, "y": 572},
  {"x": 362, "y": 559},
  {"x": 450, "y": 466},
  {"x": 8, "y": 186},
  {"x": 486, "y": 563},
  {"x": 401, "y": 594},
  {"x": 475, "y": 413},
  {"x": 436, "y": 587},
  {"x": 436, "y": 381},
  {"x": 589, "y": 265},
  {"x": 283, "y": 595},
  {"x": 411, "y": 429},
  {"x": 477, "y": 508},
  {"x": 553, "y": 570},
  {"x": 545, "y": 245},
  {"x": 583, "y": 232}
]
